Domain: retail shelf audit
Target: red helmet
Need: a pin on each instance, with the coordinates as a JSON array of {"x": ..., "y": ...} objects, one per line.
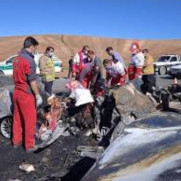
[{"x": 135, "y": 47}]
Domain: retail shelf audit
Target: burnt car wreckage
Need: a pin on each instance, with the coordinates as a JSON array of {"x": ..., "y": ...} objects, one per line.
[{"x": 125, "y": 123}]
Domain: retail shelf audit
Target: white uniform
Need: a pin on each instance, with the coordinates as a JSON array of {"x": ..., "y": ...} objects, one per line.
[
  {"x": 137, "y": 60},
  {"x": 115, "y": 70},
  {"x": 76, "y": 59},
  {"x": 81, "y": 96},
  {"x": 119, "y": 68}
]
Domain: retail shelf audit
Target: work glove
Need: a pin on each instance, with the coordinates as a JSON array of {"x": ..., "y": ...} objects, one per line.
[{"x": 39, "y": 100}]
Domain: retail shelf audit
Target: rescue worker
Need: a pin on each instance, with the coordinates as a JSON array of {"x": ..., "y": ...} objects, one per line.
[
  {"x": 148, "y": 77},
  {"x": 78, "y": 61},
  {"x": 26, "y": 96},
  {"x": 47, "y": 69},
  {"x": 92, "y": 58},
  {"x": 90, "y": 75},
  {"x": 115, "y": 55},
  {"x": 136, "y": 63},
  {"x": 115, "y": 73},
  {"x": 91, "y": 72}
]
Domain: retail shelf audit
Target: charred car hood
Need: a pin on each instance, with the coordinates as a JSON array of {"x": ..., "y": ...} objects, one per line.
[{"x": 149, "y": 149}]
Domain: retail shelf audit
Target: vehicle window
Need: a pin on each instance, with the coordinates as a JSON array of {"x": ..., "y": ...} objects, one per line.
[
  {"x": 163, "y": 59},
  {"x": 10, "y": 61},
  {"x": 173, "y": 59}
]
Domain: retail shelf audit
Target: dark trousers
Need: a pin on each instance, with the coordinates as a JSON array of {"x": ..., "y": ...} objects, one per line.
[
  {"x": 149, "y": 81},
  {"x": 48, "y": 87},
  {"x": 70, "y": 73}
]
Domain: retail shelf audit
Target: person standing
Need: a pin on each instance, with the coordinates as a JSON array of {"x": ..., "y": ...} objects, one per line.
[
  {"x": 136, "y": 63},
  {"x": 70, "y": 67},
  {"x": 78, "y": 61},
  {"x": 26, "y": 96},
  {"x": 47, "y": 69},
  {"x": 148, "y": 77}
]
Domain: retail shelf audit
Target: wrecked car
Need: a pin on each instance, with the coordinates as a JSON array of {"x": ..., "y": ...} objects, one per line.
[{"x": 148, "y": 149}]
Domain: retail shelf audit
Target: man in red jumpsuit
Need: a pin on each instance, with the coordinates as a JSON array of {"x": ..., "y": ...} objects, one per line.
[{"x": 25, "y": 96}]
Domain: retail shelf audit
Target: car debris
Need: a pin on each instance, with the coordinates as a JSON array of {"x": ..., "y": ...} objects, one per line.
[
  {"x": 100, "y": 122},
  {"x": 27, "y": 167},
  {"x": 90, "y": 151},
  {"x": 148, "y": 149}
]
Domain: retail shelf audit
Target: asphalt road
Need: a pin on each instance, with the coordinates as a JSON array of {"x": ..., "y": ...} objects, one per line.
[
  {"x": 161, "y": 81},
  {"x": 165, "y": 80}
]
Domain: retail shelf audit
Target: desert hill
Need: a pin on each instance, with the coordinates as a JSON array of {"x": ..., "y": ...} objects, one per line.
[{"x": 65, "y": 45}]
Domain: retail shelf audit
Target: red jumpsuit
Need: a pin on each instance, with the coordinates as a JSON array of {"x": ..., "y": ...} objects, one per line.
[
  {"x": 78, "y": 64},
  {"x": 87, "y": 77},
  {"x": 134, "y": 72},
  {"x": 24, "y": 117},
  {"x": 120, "y": 79}
]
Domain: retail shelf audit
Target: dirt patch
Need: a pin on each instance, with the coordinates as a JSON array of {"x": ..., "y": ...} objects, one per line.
[{"x": 59, "y": 161}]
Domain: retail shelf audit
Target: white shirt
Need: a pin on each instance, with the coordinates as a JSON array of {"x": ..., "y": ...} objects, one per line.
[
  {"x": 76, "y": 59},
  {"x": 116, "y": 69},
  {"x": 119, "y": 67},
  {"x": 138, "y": 60},
  {"x": 81, "y": 96}
]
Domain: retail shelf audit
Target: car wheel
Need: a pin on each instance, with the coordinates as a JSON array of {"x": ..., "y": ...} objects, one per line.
[
  {"x": 5, "y": 127},
  {"x": 162, "y": 70},
  {"x": 1, "y": 72}
]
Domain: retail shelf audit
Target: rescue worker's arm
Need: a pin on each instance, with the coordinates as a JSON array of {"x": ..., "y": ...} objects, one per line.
[
  {"x": 94, "y": 79},
  {"x": 108, "y": 80},
  {"x": 34, "y": 87},
  {"x": 83, "y": 74},
  {"x": 117, "y": 56},
  {"x": 30, "y": 71}
]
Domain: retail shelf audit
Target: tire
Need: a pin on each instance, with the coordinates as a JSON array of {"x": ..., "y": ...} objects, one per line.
[
  {"x": 1, "y": 72},
  {"x": 5, "y": 127},
  {"x": 162, "y": 70}
]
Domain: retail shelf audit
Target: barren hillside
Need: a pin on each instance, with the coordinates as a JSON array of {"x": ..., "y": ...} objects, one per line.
[{"x": 65, "y": 46}]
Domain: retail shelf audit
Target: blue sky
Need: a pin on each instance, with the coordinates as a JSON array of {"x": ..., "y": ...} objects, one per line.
[{"x": 137, "y": 19}]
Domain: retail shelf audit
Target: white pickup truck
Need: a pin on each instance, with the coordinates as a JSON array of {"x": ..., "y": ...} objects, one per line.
[{"x": 165, "y": 62}]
